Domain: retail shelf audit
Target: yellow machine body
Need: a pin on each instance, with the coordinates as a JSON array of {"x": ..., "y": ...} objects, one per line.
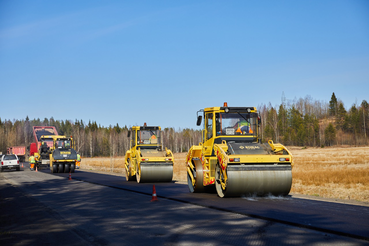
[
  {"x": 232, "y": 158},
  {"x": 147, "y": 161}
]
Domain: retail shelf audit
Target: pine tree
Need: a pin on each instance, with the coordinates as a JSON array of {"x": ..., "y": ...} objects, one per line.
[
  {"x": 365, "y": 113},
  {"x": 341, "y": 116},
  {"x": 333, "y": 105}
]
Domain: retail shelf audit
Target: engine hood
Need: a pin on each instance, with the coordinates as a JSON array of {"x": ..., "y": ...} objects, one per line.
[
  {"x": 247, "y": 148},
  {"x": 65, "y": 154}
]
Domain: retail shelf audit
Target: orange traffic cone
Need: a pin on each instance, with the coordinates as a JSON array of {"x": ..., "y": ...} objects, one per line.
[
  {"x": 36, "y": 168},
  {"x": 22, "y": 165},
  {"x": 154, "y": 197},
  {"x": 70, "y": 176}
]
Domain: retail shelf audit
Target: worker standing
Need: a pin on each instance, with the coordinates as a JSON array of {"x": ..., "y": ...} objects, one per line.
[
  {"x": 32, "y": 162},
  {"x": 78, "y": 163}
]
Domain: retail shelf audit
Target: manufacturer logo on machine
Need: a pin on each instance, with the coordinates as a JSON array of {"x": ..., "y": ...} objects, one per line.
[
  {"x": 249, "y": 147},
  {"x": 65, "y": 152}
]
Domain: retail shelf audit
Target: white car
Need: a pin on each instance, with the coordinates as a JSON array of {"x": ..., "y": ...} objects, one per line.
[{"x": 9, "y": 162}]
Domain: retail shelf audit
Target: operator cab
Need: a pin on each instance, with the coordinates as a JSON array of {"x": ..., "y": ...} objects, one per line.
[
  {"x": 63, "y": 143},
  {"x": 238, "y": 124},
  {"x": 146, "y": 137}
]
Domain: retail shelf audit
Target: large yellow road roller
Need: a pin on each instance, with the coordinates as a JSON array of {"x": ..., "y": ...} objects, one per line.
[
  {"x": 61, "y": 156},
  {"x": 232, "y": 157},
  {"x": 147, "y": 161}
]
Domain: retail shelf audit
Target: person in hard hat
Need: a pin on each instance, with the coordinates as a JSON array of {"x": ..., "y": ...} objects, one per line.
[
  {"x": 153, "y": 139},
  {"x": 32, "y": 162},
  {"x": 78, "y": 162},
  {"x": 67, "y": 144},
  {"x": 244, "y": 127}
]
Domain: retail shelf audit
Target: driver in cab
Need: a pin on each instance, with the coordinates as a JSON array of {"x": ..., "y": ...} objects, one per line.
[{"x": 243, "y": 127}]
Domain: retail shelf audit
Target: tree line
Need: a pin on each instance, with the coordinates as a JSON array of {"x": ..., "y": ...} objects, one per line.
[
  {"x": 307, "y": 122},
  {"x": 300, "y": 122},
  {"x": 91, "y": 139}
]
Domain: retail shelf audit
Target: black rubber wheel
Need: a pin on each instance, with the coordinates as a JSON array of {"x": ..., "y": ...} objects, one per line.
[
  {"x": 54, "y": 168},
  {"x": 67, "y": 168},
  {"x": 61, "y": 168},
  {"x": 18, "y": 169},
  {"x": 72, "y": 167}
]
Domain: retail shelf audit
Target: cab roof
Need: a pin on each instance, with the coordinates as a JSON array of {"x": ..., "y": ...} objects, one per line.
[
  {"x": 231, "y": 109},
  {"x": 54, "y": 137},
  {"x": 145, "y": 128}
]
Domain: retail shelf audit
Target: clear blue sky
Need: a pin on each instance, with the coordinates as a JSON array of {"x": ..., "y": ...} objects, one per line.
[{"x": 130, "y": 62}]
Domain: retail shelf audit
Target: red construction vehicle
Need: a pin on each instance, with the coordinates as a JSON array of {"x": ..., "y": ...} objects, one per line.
[
  {"x": 20, "y": 151},
  {"x": 39, "y": 131}
]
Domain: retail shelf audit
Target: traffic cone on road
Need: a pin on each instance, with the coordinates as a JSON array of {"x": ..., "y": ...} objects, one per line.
[
  {"x": 70, "y": 176},
  {"x": 154, "y": 197},
  {"x": 22, "y": 165},
  {"x": 36, "y": 168}
]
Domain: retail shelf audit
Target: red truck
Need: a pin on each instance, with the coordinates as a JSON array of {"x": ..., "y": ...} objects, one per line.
[
  {"x": 20, "y": 151},
  {"x": 39, "y": 131}
]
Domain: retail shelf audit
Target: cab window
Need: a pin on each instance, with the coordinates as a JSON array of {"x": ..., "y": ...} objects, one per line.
[{"x": 209, "y": 126}]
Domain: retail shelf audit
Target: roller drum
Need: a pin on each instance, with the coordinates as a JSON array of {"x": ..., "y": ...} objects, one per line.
[
  {"x": 156, "y": 172},
  {"x": 259, "y": 180}
]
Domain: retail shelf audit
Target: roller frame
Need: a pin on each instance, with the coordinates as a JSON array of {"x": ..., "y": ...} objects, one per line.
[
  {"x": 195, "y": 183},
  {"x": 128, "y": 168}
]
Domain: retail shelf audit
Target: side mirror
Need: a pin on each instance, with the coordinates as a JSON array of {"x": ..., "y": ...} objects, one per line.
[
  {"x": 199, "y": 119},
  {"x": 259, "y": 120},
  {"x": 129, "y": 134}
]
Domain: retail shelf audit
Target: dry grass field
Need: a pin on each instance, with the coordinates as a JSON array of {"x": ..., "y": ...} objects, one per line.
[{"x": 335, "y": 172}]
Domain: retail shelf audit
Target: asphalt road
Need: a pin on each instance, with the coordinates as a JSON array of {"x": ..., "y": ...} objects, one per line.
[{"x": 39, "y": 208}]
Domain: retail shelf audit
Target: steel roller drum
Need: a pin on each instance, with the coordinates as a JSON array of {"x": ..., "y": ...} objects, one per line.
[
  {"x": 156, "y": 172},
  {"x": 260, "y": 180}
]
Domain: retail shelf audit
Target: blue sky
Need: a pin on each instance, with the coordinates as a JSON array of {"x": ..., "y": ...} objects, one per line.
[{"x": 130, "y": 62}]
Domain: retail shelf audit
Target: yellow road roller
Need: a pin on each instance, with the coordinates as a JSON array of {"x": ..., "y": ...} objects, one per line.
[
  {"x": 58, "y": 153},
  {"x": 147, "y": 161},
  {"x": 232, "y": 157}
]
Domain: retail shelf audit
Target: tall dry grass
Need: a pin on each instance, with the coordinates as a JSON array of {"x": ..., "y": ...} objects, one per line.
[{"x": 335, "y": 172}]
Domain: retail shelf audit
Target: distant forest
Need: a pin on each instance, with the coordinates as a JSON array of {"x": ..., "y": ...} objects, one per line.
[{"x": 301, "y": 122}]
